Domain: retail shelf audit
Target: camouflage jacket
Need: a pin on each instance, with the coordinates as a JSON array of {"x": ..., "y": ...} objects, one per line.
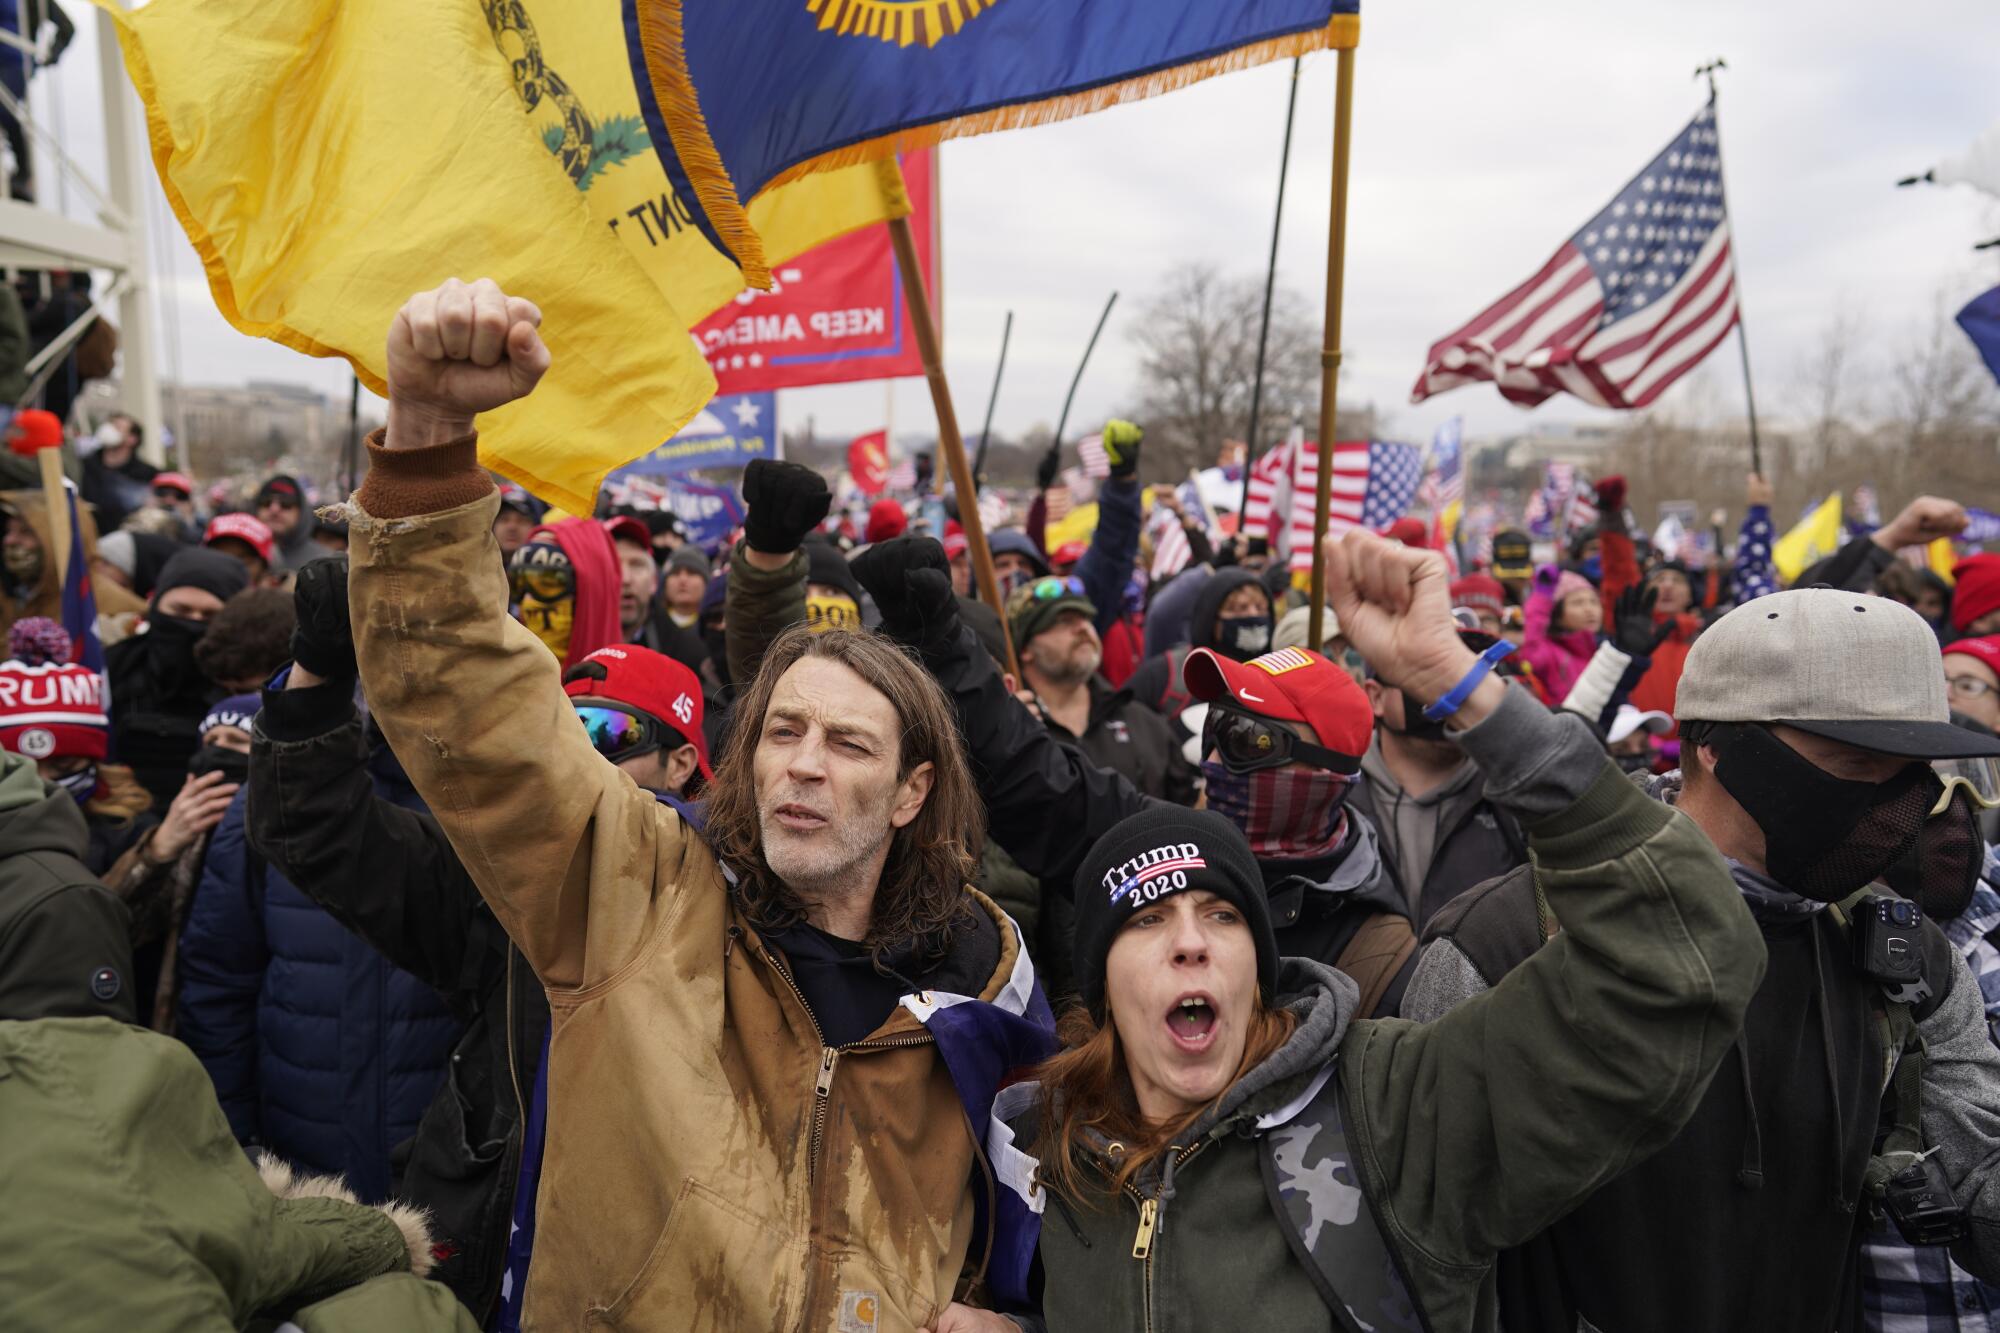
[{"x": 1367, "y": 1174}]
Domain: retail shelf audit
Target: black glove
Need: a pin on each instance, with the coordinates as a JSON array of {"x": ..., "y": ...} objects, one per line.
[
  {"x": 784, "y": 501},
  {"x": 1045, "y": 471},
  {"x": 1632, "y": 629},
  {"x": 323, "y": 640},
  {"x": 910, "y": 580}
]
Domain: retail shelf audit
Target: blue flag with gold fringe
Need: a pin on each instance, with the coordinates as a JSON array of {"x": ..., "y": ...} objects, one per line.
[{"x": 745, "y": 94}]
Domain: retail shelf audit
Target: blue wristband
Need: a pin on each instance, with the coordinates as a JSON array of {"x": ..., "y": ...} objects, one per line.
[{"x": 1456, "y": 696}]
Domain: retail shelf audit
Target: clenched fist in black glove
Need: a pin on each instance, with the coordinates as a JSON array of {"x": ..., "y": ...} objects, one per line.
[
  {"x": 910, "y": 581},
  {"x": 323, "y": 640},
  {"x": 784, "y": 501}
]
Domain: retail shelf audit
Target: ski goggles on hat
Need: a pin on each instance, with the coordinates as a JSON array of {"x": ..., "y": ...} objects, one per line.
[
  {"x": 1052, "y": 587},
  {"x": 1979, "y": 778},
  {"x": 617, "y": 734},
  {"x": 1245, "y": 742}
]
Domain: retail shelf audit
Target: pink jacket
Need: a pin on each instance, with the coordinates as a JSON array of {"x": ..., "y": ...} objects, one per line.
[{"x": 1558, "y": 659}]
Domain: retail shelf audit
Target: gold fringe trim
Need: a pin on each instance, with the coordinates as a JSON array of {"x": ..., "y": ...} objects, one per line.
[
  {"x": 662, "y": 39},
  {"x": 1343, "y": 31},
  {"x": 904, "y": 22}
]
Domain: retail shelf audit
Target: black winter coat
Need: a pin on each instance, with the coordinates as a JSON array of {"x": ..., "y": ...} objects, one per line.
[{"x": 392, "y": 878}]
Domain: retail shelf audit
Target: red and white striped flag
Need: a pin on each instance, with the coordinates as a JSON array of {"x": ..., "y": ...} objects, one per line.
[
  {"x": 1096, "y": 462},
  {"x": 1373, "y": 483},
  {"x": 1171, "y": 551},
  {"x": 1271, "y": 491},
  {"x": 1629, "y": 304}
]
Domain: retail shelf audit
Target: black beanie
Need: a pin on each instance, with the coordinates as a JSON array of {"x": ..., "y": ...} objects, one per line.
[
  {"x": 1162, "y": 850},
  {"x": 198, "y": 567},
  {"x": 825, "y": 564}
]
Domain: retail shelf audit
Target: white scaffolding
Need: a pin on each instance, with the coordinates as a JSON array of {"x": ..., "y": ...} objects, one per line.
[{"x": 38, "y": 237}]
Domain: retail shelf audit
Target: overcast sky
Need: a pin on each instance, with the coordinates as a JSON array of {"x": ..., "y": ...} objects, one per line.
[{"x": 1484, "y": 135}]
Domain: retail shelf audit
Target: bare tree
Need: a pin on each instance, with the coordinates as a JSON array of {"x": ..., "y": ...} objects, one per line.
[{"x": 1198, "y": 340}]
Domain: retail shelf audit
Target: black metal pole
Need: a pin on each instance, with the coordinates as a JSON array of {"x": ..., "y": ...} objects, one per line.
[
  {"x": 1063, "y": 420},
  {"x": 353, "y": 450},
  {"x": 1270, "y": 282},
  {"x": 986, "y": 430},
  {"x": 1742, "y": 337}
]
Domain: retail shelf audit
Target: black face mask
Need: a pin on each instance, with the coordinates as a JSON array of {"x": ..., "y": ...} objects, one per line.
[
  {"x": 1243, "y": 637},
  {"x": 1416, "y": 726},
  {"x": 232, "y": 764},
  {"x": 1824, "y": 837},
  {"x": 1940, "y": 869}
]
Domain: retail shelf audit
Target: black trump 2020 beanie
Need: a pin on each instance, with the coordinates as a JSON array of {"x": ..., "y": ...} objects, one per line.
[{"x": 1160, "y": 851}]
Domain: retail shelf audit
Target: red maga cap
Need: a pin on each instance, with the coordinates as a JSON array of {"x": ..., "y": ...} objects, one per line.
[
  {"x": 1289, "y": 685},
  {"x": 655, "y": 684},
  {"x": 244, "y": 528}
]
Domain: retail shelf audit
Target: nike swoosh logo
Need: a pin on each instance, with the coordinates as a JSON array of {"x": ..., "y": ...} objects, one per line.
[{"x": 1242, "y": 693}]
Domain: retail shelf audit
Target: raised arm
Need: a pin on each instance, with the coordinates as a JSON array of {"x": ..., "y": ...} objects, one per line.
[
  {"x": 566, "y": 849},
  {"x": 1592, "y": 1054},
  {"x": 1106, "y": 566},
  {"x": 1045, "y": 802}
]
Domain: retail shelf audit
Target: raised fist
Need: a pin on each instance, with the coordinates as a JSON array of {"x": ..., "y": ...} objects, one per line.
[
  {"x": 456, "y": 351},
  {"x": 782, "y": 503}
]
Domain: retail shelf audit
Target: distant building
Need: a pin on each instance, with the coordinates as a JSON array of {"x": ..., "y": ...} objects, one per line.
[{"x": 248, "y": 428}]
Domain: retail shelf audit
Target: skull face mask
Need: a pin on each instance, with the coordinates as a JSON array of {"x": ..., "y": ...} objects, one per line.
[{"x": 544, "y": 593}]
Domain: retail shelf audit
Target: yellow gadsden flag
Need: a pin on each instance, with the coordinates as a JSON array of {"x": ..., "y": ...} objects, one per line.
[
  {"x": 1815, "y": 538},
  {"x": 330, "y": 157}
]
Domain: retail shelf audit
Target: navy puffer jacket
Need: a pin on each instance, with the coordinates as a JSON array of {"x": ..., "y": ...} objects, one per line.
[{"x": 320, "y": 1050}]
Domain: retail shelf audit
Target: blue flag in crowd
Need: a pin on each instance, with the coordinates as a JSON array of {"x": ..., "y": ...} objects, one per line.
[
  {"x": 740, "y": 96},
  {"x": 79, "y": 603},
  {"x": 1981, "y": 321}
]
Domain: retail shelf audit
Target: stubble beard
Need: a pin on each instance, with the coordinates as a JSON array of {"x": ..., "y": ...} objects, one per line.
[{"x": 824, "y": 866}]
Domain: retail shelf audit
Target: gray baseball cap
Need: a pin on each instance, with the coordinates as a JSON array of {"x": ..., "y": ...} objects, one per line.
[{"x": 1861, "y": 670}]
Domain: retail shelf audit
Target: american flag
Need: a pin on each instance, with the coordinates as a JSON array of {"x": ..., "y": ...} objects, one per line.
[
  {"x": 1450, "y": 461},
  {"x": 1582, "y": 505},
  {"x": 903, "y": 475},
  {"x": 1171, "y": 551},
  {"x": 1373, "y": 484},
  {"x": 1096, "y": 463},
  {"x": 1271, "y": 491},
  {"x": 1059, "y": 502},
  {"x": 1630, "y": 303}
]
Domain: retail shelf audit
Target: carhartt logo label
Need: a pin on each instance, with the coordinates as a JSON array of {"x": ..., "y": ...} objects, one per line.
[
  {"x": 1150, "y": 874},
  {"x": 860, "y": 1312}
]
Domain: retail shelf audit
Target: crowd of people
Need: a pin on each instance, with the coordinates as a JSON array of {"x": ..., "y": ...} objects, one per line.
[{"x": 522, "y": 920}]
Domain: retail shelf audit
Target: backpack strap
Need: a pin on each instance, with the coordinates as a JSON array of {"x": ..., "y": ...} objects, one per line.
[
  {"x": 1375, "y": 954},
  {"x": 1321, "y": 1204}
]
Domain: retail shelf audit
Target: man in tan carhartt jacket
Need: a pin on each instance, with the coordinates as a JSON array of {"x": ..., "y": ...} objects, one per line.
[{"x": 749, "y": 1127}]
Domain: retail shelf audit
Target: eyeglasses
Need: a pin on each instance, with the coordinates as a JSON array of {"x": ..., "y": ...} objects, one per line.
[
  {"x": 1048, "y": 589},
  {"x": 617, "y": 734},
  {"x": 1246, "y": 743},
  {"x": 1968, "y": 687}
]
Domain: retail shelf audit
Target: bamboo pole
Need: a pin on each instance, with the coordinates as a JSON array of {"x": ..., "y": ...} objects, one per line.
[
  {"x": 923, "y": 323},
  {"x": 1329, "y": 375}
]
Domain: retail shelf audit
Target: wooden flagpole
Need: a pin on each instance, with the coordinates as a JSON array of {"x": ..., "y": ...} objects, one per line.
[
  {"x": 1329, "y": 375},
  {"x": 950, "y": 443}
]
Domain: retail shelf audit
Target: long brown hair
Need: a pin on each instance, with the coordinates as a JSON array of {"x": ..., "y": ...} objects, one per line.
[
  {"x": 123, "y": 799},
  {"x": 921, "y": 896},
  {"x": 1085, "y": 1087}
]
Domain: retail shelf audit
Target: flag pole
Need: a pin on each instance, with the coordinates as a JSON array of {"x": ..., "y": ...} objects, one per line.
[
  {"x": 1742, "y": 338},
  {"x": 1329, "y": 375},
  {"x": 1270, "y": 281},
  {"x": 985, "y": 431},
  {"x": 1079, "y": 377},
  {"x": 950, "y": 443}
]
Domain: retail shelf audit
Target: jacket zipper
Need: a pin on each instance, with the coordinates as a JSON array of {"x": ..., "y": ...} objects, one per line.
[
  {"x": 1149, "y": 1227},
  {"x": 829, "y": 1058}
]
